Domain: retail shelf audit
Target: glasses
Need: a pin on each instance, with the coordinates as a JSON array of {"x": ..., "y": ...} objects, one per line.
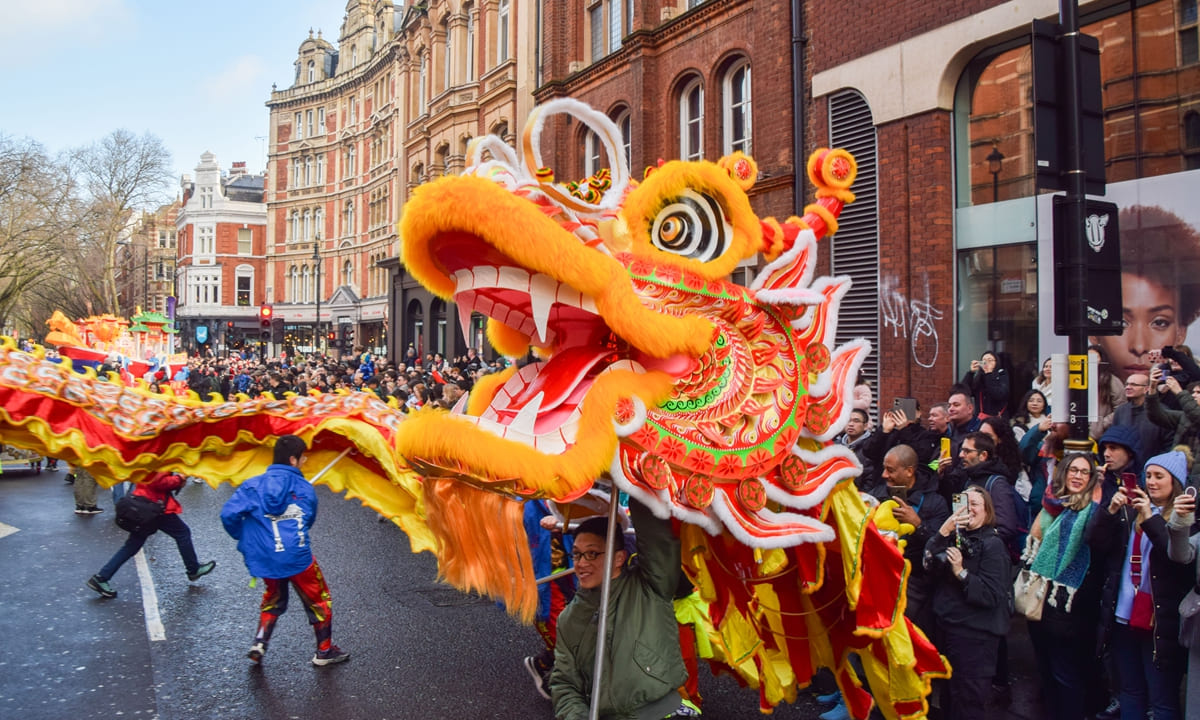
[
  {"x": 589, "y": 555},
  {"x": 1079, "y": 471},
  {"x": 967, "y": 451}
]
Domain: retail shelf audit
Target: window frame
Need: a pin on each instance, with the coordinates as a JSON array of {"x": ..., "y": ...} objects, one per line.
[
  {"x": 731, "y": 109},
  {"x": 687, "y": 121}
]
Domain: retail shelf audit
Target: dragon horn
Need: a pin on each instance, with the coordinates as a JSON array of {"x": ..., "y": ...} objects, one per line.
[{"x": 833, "y": 172}]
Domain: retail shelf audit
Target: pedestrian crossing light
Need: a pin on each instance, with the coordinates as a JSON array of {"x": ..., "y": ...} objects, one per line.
[{"x": 265, "y": 313}]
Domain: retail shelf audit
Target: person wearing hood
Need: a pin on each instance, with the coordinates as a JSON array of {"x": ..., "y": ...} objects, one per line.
[
  {"x": 271, "y": 516},
  {"x": 1140, "y": 601},
  {"x": 1120, "y": 448}
]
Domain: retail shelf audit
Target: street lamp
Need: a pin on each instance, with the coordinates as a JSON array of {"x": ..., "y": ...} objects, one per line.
[
  {"x": 317, "y": 265},
  {"x": 994, "y": 160}
]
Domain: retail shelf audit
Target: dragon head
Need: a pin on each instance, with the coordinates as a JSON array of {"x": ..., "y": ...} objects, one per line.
[{"x": 706, "y": 398}]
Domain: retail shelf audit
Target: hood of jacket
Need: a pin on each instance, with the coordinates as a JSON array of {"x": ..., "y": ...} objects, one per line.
[
  {"x": 275, "y": 487},
  {"x": 1124, "y": 436}
]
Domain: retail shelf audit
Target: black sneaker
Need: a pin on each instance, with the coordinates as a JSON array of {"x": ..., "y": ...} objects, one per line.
[
  {"x": 101, "y": 586},
  {"x": 203, "y": 570},
  {"x": 1111, "y": 712},
  {"x": 69, "y": 478},
  {"x": 257, "y": 650},
  {"x": 329, "y": 657},
  {"x": 81, "y": 510},
  {"x": 539, "y": 679},
  {"x": 92, "y": 510}
]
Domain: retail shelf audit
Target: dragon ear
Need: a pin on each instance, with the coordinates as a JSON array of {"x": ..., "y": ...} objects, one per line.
[{"x": 833, "y": 172}]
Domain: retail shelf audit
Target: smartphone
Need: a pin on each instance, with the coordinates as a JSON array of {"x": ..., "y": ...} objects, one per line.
[
  {"x": 898, "y": 491},
  {"x": 1129, "y": 482},
  {"x": 908, "y": 405},
  {"x": 945, "y": 455},
  {"x": 958, "y": 502},
  {"x": 1190, "y": 490}
]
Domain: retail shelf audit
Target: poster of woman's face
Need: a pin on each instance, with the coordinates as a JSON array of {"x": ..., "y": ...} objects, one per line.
[{"x": 1160, "y": 278}]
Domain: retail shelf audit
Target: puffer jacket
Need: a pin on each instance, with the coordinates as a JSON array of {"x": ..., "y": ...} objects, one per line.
[
  {"x": 271, "y": 516},
  {"x": 642, "y": 658}
]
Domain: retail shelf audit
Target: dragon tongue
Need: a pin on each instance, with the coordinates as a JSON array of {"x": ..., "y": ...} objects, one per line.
[{"x": 560, "y": 375}]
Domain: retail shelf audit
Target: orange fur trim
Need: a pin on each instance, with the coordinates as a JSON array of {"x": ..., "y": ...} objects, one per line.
[
  {"x": 506, "y": 340},
  {"x": 485, "y": 389}
]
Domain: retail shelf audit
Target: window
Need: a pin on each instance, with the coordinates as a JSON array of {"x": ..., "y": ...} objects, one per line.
[
  {"x": 306, "y": 286},
  {"x": 312, "y": 71},
  {"x": 295, "y": 226},
  {"x": 694, "y": 3},
  {"x": 348, "y": 273},
  {"x": 691, "y": 121},
  {"x": 737, "y": 109},
  {"x": 470, "y": 13},
  {"x": 308, "y": 163},
  {"x": 321, "y": 120},
  {"x": 206, "y": 242},
  {"x": 593, "y": 151},
  {"x": 348, "y": 219},
  {"x": 293, "y": 290},
  {"x": 502, "y": 32},
  {"x": 353, "y": 111},
  {"x": 321, "y": 168},
  {"x": 625, "y": 123},
  {"x": 243, "y": 289},
  {"x": 447, "y": 74},
  {"x": 614, "y": 26},
  {"x": 1191, "y": 140},
  {"x": 353, "y": 56},
  {"x": 206, "y": 288},
  {"x": 307, "y": 225},
  {"x": 596, "y": 22},
  {"x": 1189, "y": 47},
  {"x": 206, "y": 197},
  {"x": 308, "y": 122},
  {"x": 296, "y": 170},
  {"x": 298, "y": 127},
  {"x": 318, "y": 221},
  {"x": 351, "y": 162},
  {"x": 245, "y": 242},
  {"x": 422, "y": 85}
]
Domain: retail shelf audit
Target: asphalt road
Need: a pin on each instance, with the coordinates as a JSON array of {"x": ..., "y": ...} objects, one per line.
[{"x": 419, "y": 649}]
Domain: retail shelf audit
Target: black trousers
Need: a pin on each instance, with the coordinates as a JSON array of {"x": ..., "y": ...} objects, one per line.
[{"x": 972, "y": 655}]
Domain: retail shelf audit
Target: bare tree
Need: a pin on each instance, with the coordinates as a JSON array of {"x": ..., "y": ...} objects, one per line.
[
  {"x": 122, "y": 174},
  {"x": 38, "y": 212}
]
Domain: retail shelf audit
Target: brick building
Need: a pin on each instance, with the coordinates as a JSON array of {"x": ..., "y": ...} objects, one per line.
[
  {"x": 392, "y": 105},
  {"x": 955, "y": 246},
  {"x": 221, "y": 276},
  {"x": 146, "y": 262}
]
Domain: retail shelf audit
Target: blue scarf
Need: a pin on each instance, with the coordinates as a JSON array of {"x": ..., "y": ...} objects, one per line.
[{"x": 1063, "y": 557}]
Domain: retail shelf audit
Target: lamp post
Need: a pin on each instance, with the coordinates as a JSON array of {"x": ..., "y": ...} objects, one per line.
[
  {"x": 316, "y": 256},
  {"x": 994, "y": 160}
]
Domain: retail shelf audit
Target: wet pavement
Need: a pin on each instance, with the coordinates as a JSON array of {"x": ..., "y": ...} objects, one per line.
[{"x": 419, "y": 649}]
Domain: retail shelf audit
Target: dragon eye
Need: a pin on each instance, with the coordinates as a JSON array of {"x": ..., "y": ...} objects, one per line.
[{"x": 692, "y": 225}]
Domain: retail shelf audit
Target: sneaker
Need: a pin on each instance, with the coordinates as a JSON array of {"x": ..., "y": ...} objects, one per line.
[
  {"x": 839, "y": 712},
  {"x": 203, "y": 570},
  {"x": 833, "y": 697},
  {"x": 1111, "y": 712},
  {"x": 539, "y": 680},
  {"x": 329, "y": 657},
  {"x": 101, "y": 586},
  {"x": 69, "y": 478},
  {"x": 81, "y": 510},
  {"x": 92, "y": 510},
  {"x": 257, "y": 650}
]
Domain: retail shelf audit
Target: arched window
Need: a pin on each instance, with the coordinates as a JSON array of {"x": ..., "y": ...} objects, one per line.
[
  {"x": 348, "y": 273},
  {"x": 353, "y": 56},
  {"x": 293, "y": 288},
  {"x": 320, "y": 168},
  {"x": 593, "y": 154},
  {"x": 502, "y": 19},
  {"x": 624, "y": 121},
  {"x": 448, "y": 67},
  {"x": 308, "y": 225},
  {"x": 351, "y": 161},
  {"x": 312, "y": 71},
  {"x": 308, "y": 163},
  {"x": 306, "y": 285},
  {"x": 295, "y": 235},
  {"x": 469, "y": 11},
  {"x": 735, "y": 105},
  {"x": 348, "y": 228},
  {"x": 691, "y": 121},
  {"x": 319, "y": 221}
]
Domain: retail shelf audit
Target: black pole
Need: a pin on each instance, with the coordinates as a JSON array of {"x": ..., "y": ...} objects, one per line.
[
  {"x": 1076, "y": 196},
  {"x": 799, "y": 107}
]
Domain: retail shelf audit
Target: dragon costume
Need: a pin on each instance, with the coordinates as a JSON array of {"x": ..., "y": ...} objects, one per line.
[{"x": 710, "y": 402}]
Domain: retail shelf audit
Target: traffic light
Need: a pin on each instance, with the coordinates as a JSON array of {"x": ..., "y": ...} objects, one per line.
[
  {"x": 348, "y": 336},
  {"x": 276, "y": 330},
  {"x": 266, "y": 316},
  {"x": 229, "y": 325}
]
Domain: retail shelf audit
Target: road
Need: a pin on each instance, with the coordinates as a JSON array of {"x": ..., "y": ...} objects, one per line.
[{"x": 419, "y": 649}]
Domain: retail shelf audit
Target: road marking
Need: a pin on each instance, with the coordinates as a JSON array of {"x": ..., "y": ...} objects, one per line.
[
  {"x": 6, "y": 530},
  {"x": 154, "y": 626}
]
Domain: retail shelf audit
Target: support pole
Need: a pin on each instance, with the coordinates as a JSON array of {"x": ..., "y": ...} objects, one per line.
[{"x": 605, "y": 587}]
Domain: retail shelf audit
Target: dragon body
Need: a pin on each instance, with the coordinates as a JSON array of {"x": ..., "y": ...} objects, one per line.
[{"x": 710, "y": 402}]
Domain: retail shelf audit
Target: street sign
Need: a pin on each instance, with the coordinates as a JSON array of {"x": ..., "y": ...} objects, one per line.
[
  {"x": 1050, "y": 126},
  {"x": 1077, "y": 372},
  {"x": 1096, "y": 307}
]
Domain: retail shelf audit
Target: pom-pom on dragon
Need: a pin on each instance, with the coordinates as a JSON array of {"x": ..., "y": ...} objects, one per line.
[{"x": 710, "y": 402}]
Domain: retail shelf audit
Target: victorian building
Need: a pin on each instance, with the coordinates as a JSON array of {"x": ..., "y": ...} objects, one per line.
[
  {"x": 146, "y": 262},
  {"x": 221, "y": 273}
]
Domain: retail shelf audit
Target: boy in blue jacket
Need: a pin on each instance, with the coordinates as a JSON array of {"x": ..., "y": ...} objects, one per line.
[{"x": 271, "y": 516}]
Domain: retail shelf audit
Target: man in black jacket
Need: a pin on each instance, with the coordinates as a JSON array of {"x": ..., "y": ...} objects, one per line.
[{"x": 914, "y": 487}]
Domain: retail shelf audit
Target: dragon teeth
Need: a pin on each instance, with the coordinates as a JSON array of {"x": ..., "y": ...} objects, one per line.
[
  {"x": 525, "y": 419},
  {"x": 542, "y": 292}
]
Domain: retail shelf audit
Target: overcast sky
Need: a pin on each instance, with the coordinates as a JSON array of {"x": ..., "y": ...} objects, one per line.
[{"x": 196, "y": 74}]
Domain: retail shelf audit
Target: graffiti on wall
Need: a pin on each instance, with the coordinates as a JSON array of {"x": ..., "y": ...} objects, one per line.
[{"x": 912, "y": 318}]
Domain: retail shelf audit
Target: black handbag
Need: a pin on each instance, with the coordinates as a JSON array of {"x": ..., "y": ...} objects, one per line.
[{"x": 135, "y": 513}]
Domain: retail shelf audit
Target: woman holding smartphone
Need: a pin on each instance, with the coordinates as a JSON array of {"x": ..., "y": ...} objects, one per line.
[
  {"x": 1142, "y": 593},
  {"x": 969, "y": 564},
  {"x": 1182, "y": 547},
  {"x": 1058, "y": 553}
]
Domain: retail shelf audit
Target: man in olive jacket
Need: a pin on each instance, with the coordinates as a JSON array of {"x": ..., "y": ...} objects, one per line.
[{"x": 643, "y": 667}]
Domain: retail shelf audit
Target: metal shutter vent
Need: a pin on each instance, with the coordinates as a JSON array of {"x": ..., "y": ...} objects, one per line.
[{"x": 855, "y": 247}]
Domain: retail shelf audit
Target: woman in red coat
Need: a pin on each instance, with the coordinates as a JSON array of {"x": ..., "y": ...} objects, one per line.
[{"x": 161, "y": 489}]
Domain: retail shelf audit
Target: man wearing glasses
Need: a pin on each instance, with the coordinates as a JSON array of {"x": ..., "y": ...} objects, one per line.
[
  {"x": 643, "y": 666},
  {"x": 1152, "y": 439}
]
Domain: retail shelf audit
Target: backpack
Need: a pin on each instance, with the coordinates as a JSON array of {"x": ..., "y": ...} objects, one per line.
[
  {"x": 1016, "y": 543},
  {"x": 136, "y": 513}
]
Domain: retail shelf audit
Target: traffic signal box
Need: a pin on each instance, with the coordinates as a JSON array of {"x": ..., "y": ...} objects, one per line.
[{"x": 266, "y": 314}]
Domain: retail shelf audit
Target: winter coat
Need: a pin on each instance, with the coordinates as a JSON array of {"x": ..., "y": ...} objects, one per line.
[
  {"x": 1009, "y": 517},
  {"x": 161, "y": 489},
  {"x": 981, "y": 602},
  {"x": 271, "y": 516},
  {"x": 1169, "y": 580},
  {"x": 990, "y": 391},
  {"x": 1184, "y": 424},
  {"x": 642, "y": 657}
]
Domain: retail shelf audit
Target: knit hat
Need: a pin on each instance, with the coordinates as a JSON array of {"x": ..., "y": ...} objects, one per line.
[
  {"x": 1173, "y": 462},
  {"x": 1124, "y": 436}
]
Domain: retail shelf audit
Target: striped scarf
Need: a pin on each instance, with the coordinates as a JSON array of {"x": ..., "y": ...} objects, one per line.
[{"x": 1063, "y": 557}]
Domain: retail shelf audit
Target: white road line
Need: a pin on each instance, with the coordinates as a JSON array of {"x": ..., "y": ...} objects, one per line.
[
  {"x": 154, "y": 626},
  {"x": 6, "y": 530}
]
